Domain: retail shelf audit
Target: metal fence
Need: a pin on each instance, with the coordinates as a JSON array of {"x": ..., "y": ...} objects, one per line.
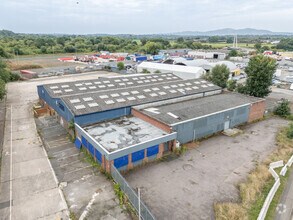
[{"x": 145, "y": 213}]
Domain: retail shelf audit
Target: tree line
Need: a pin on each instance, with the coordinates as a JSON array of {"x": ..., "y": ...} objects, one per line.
[{"x": 50, "y": 44}]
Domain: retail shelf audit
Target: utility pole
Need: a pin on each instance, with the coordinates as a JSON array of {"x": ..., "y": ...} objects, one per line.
[{"x": 138, "y": 192}]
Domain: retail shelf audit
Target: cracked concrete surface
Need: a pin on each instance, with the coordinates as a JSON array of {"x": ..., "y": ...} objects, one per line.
[{"x": 187, "y": 187}]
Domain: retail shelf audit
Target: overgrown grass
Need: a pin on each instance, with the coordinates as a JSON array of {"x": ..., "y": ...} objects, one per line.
[
  {"x": 72, "y": 216},
  {"x": 272, "y": 209},
  {"x": 89, "y": 159},
  {"x": 14, "y": 66},
  {"x": 123, "y": 200},
  {"x": 181, "y": 150},
  {"x": 259, "y": 182},
  {"x": 290, "y": 117}
]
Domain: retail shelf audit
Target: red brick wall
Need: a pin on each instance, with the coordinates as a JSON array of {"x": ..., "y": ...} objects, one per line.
[
  {"x": 151, "y": 120},
  {"x": 257, "y": 111}
]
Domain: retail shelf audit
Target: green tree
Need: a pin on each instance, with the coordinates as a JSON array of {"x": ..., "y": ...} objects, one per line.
[
  {"x": 219, "y": 75},
  {"x": 2, "y": 89},
  {"x": 180, "y": 40},
  {"x": 283, "y": 109},
  {"x": 152, "y": 47},
  {"x": 4, "y": 54},
  {"x": 233, "y": 53},
  {"x": 260, "y": 71},
  {"x": 213, "y": 39},
  {"x": 286, "y": 44},
  {"x": 120, "y": 66},
  {"x": 231, "y": 85},
  {"x": 143, "y": 41},
  {"x": 257, "y": 46},
  {"x": 229, "y": 40},
  {"x": 4, "y": 72}
]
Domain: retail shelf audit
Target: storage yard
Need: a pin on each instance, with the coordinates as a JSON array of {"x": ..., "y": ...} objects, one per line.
[{"x": 188, "y": 186}]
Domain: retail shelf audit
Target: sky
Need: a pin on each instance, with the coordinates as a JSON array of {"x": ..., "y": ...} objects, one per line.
[{"x": 143, "y": 16}]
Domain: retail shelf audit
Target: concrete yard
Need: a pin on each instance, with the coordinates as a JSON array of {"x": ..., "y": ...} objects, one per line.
[
  {"x": 187, "y": 187},
  {"x": 123, "y": 132},
  {"x": 80, "y": 181},
  {"x": 28, "y": 188}
]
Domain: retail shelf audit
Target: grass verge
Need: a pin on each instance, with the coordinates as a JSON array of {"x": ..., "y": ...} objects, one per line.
[
  {"x": 14, "y": 66},
  {"x": 254, "y": 191},
  {"x": 276, "y": 200}
]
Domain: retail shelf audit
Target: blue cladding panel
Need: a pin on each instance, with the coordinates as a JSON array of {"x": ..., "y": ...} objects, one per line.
[
  {"x": 121, "y": 161},
  {"x": 136, "y": 156},
  {"x": 91, "y": 149},
  {"x": 98, "y": 155},
  {"x": 101, "y": 116},
  {"x": 152, "y": 150},
  {"x": 55, "y": 103},
  {"x": 209, "y": 125},
  {"x": 77, "y": 143},
  {"x": 84, "y": 142}
]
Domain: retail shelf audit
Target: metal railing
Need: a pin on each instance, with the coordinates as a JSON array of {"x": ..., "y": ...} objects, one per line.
[{"x": 145, "y": 213}]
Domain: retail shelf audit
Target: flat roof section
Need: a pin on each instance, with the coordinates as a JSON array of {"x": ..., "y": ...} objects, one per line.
[
  {"x": 107, "y": 100},
  {"x": 123, "y": 132},
  {"x": 185, "y": 110},
  {"x": 102, "y": 83}
]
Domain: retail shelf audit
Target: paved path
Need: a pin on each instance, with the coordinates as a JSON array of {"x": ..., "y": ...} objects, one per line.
[
  {"x": 28, "y": 186},
  {"x": 285, "y": 207},
  {"x": 87, "y": 191}
]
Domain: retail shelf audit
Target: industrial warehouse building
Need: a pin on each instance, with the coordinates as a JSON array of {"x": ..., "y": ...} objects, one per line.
[
  {"x": 185, "y": 72},
  {"x": 193, "y": 119},
  {"x": 160, "y": 110},
  {"x": 206, "y": 55}
]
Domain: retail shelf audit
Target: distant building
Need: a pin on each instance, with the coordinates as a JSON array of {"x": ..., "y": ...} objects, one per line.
[
  {"x": 185, "y": 72},
  {"x": 175, "y": 52},
  {"x": 206, "y": 55},
  {"x": 234, "y": 70}
]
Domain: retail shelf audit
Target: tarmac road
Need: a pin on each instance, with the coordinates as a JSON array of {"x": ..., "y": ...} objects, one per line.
[{"x": 285, "y": 208}]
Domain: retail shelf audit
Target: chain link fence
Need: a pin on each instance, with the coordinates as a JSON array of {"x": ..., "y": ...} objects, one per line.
[{"x": 145, "y": 213}]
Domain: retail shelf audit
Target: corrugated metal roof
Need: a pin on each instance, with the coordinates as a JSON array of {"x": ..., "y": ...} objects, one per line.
[
  {"x": 88, "y": 86},
  {"x": 171, "y": 67},
  {"x": 106, "y": 100},
  {"x": 193, "y": 108}
]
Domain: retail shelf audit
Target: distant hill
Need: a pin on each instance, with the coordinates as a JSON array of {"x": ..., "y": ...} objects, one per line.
[
  {"x": 6, "y": 33},
  {"x": 219, "y": 32},
  {"x": 230, "y": 31}
]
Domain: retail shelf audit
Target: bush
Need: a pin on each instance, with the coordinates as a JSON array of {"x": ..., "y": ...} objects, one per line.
[
  {"x": 241, "y": 89},
  {"x": 120, "y": 66},
  {"x": 283, "y": 109},
  {"x": 14, "y": 77},
  {"x": 2, "y": 89},
  {"x": 290, "y": 131},
  {"x": 231, "y": 85},
  {"x": 5, "y": 75},
  {"x": 145, "y": 71}
]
